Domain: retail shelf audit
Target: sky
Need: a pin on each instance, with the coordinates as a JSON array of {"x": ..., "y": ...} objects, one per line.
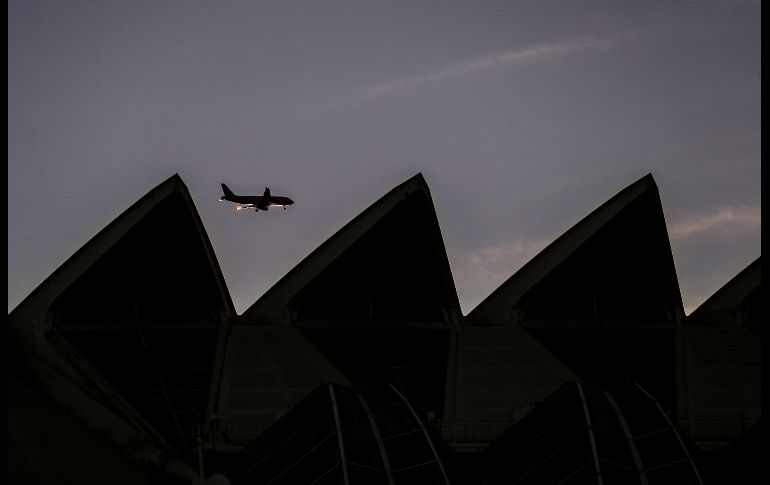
[{"x": 523, "y": 117}]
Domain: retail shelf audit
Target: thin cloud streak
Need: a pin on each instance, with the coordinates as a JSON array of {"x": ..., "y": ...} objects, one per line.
[
  {"x": 479, "y": 272},
  {"x": 482, "y": 270},
  {"x": 736, "y": 220},
  {"x": 530, "y": 54}
]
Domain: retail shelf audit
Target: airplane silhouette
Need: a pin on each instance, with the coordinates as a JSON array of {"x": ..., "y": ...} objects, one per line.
[{"x": 256, "y": 202}]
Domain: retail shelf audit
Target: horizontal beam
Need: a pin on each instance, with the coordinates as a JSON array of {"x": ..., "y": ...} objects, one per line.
[
  {"x": 364, "y": 323},
  {"x": 586, "y": 323},
  {"x": 134, "y": 324}
]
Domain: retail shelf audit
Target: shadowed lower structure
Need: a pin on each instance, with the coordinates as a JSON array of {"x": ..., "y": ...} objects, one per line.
[
  {"x": 584, "y": 434},
  {"x": 358, "y": 367},
  {"x": 340, "y": 435},
  {"x": 123, "y": 335}
]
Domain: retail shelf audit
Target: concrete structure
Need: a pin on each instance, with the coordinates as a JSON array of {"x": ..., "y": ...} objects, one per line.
[
  {"x": 585, "y": 434},
  {"x": 720, "y": 362},
  {"x": 341, "y": 435},
  {"x": 133, "y": 349},
  {"x": 120, "y": 340}
]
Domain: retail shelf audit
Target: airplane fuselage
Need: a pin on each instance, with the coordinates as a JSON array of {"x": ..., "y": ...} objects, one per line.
[
  {"x": 259, "y": 201},
  {"x": 256, "y": 202}
]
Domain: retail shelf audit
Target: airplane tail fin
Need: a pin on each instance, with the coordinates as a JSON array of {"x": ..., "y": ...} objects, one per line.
[
  {"x": 266, "y": 195},
  {"x": 228, "y": 193}
]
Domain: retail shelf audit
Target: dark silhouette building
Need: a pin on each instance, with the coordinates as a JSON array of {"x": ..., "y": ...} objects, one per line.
[{"x": 129, "y": 363}]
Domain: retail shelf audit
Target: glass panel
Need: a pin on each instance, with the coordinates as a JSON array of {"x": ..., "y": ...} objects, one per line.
[
  {"x": 104, "y": 339},
  {"x": 614, "y": 448},
  {"x": 362, "y": 451},
  {"x": 428, "y": 474},
  {"x": 645, "y": 419},
  {"x": 558, "y": 466},
  {"x": 408, "y": 450},
  {"x": 302, "y": 466},
  {"x": 660, "y": 449},
  {"x": 628, "y": 396},
  {"x": 605, "y": 419},
  {"x": 595, "y": 396},
  {"x": 115, "y": 359},
  {"x": 582, "y": 476},
  {"x": 347, "y": 399},
  {"x": 364, "y": 476},
  {"x": 612, "y": 473},
  {"x": 395, "y": 421},
  {"x": 356, "y": 422},
  {"x": 679, "y": 473},
  {"x": 184, "y": 358}
]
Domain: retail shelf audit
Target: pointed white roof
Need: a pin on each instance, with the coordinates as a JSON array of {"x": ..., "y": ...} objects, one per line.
[
  {"x": 500, "y": 305},
  {"x": 272, "y": 306}
]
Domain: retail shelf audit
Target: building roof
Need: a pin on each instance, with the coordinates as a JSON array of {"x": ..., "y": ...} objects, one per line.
[
  {"x": 619, "y": 251},
  {"x": 77, "y": 264},
  {"x": 395, "y": 243},
  {"x": 123, "y": 333},
  {"x": 734, "y": 303}
]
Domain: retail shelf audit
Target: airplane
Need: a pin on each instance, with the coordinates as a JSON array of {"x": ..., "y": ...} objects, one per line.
[{"x": 256, "y": 202}]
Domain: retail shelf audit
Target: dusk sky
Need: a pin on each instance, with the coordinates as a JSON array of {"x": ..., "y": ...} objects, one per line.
[{"x": 523, "y": 117}]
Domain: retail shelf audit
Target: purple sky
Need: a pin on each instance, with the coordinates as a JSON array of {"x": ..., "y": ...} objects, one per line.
[{"x": 523, "y": 116}]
